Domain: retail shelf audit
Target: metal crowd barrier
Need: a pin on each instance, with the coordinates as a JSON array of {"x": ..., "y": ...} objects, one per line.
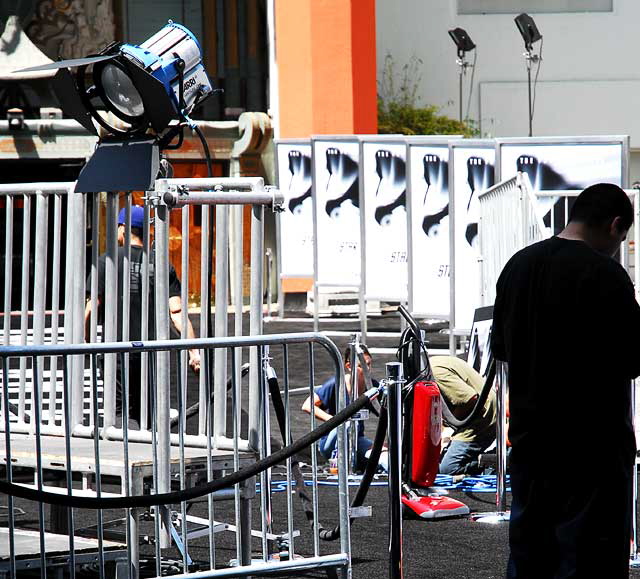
[
  {"x": 131, "y": 467},
  {"x": 510, "y": 220},
  {"x": 65, "y": 394}
]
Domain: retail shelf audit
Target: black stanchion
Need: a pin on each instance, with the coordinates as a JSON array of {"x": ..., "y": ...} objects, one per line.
[{"x": 393, "y": 385}]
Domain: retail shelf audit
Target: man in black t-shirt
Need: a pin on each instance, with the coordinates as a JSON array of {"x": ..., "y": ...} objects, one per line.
[
  {"x": 135, "y": 306},
  {"x": 566, "y": 322}
]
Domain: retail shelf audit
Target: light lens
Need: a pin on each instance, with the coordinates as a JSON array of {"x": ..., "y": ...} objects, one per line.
[{"x": 120, "y": 91}]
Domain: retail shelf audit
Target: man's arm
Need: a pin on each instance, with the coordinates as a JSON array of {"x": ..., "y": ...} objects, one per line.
[
  {"x": 87, "y": 318},
  {"x": 319, "y": 413},
  {"x": 175, "y": 312}
]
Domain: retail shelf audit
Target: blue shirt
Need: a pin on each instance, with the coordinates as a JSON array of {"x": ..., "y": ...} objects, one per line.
[{"x": 329, "y": 401}]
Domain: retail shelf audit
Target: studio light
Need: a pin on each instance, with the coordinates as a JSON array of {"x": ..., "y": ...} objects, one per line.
[
  {"x": 463, "y": 44},
  {"x": 151, "y": 88},
  {"x": 462, "y": 40},
  {"x": 530, "y": 34},
  {"x": 528, "y": 30}
]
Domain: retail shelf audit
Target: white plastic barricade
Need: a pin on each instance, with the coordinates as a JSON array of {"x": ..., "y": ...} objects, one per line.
[
  {"x": 383, "y": 204},
  {"x": 336, "y": 211},
  {"x": 509, "y": 221},
  {"x": 472, "y": 170},
  {"x": 295, "y": 223},
  {"x": 428, "y": 216},
  {"x": 564, "y": 163}
]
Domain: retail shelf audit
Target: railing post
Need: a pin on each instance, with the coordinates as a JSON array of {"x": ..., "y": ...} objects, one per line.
[
  {"x": 394, "y": 384},
  {"x": 501, "y": 514},
  {"x": 163, "y": 398},
  {"x": 255, "y": 323},
  {"x": 221, "y": 323}
]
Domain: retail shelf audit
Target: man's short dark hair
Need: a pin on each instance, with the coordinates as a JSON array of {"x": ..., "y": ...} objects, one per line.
[
  {"x": 137, "y": 231},
  {"x": 347, "y": 353},
  {"x": 601, "y": 203}
]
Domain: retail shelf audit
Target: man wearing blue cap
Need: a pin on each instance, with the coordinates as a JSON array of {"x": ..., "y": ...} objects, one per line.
[{"x": 135, "y": 305}]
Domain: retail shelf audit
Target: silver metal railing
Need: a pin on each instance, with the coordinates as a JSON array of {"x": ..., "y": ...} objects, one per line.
[
  {"x": 77, "y": 212},
  {"x": 510, "y": 219},
  {"x": 132, "y": 464},
  {"x": 64, "y": 389}
]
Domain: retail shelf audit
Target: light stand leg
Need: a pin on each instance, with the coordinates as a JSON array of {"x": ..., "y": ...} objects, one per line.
[
  {"x": 529, "y": 57},
  {"x": 501, "y": 513},
  {"x": 460, "y": 90}
]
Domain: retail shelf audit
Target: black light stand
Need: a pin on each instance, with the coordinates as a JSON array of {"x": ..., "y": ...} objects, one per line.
[
  {"x": 530, "y": 34},
  {"x": 464, "y": 44}
]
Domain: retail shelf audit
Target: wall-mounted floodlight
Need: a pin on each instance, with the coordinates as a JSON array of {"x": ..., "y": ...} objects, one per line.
[
  {"x": 464, "y": 44},
  {"x": 530, "y": 34},
  {"x": 152, "y": 88}
]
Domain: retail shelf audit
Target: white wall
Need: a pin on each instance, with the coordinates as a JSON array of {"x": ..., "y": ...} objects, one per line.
[{"x": 589, "y": 82}]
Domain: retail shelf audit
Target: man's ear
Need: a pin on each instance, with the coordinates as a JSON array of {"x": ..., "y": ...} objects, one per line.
[{"x": 616, "y": 225}]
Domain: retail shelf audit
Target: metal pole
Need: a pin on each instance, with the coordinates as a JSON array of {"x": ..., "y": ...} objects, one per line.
[
  {"x": 110, "y": 313},
  {"x": 40, "y": 290},
  {"x": 162, "y": 394},
  {"x": 501, "y": 436},
  {"x": 353, "y": 424},
  {"x": 8, "y": 270},
  {"x": 24, "y": 297},
  {"x": 460, "y": 74},
  {"x": 394, "y": 384},
  {"x": 205, "y": 292},
  {"x": 255, "y": 323},
  {"x": 221, "y": 321},
  {"x": 528, "y": 57},
  {"x": 501, "y": 514}
]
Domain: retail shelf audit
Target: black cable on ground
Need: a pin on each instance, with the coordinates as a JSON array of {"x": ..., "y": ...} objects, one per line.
[{"x": 143, "y": 501}]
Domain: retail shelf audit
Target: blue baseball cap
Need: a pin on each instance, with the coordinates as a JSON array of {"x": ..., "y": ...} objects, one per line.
[{"x": 137, "y": 216}]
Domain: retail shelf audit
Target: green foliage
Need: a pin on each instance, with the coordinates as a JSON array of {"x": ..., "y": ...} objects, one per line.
[
  {"x": 394, "y": 118},
  {"x": 398, "y": 109}
]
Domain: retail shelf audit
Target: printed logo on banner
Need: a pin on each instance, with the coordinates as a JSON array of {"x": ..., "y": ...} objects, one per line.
[
  {"x": 296, "y": 222},
  {"x": 558, "y": 167},
  {"x": 429, "y": 191},
  {"x": 474, "y": 172},
  {"x": 385, "y": 191},
  {"x": 337, "y": 212}
]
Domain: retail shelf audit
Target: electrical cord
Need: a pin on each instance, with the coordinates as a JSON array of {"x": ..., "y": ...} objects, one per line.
[
  {"x": 473, "y": 73},
  {"x": 535, "y": 80}
]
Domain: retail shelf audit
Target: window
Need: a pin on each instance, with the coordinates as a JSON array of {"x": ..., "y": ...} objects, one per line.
[{"x": 532, "y": 6}]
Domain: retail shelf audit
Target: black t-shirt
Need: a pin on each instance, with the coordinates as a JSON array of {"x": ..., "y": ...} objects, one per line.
[
  {"x": 566, "y": 321},
  {"x": 135, "y": 291}
]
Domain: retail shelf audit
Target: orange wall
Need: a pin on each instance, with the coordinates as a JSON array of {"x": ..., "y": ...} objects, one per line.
[{"x": 326, "y": 56}]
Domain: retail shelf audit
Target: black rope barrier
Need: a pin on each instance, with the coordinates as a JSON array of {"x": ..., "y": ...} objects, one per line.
[{"x": 142, "y": 501}]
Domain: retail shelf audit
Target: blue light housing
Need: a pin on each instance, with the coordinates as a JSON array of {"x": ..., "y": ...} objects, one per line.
[{"x": 146, "y": 86}]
